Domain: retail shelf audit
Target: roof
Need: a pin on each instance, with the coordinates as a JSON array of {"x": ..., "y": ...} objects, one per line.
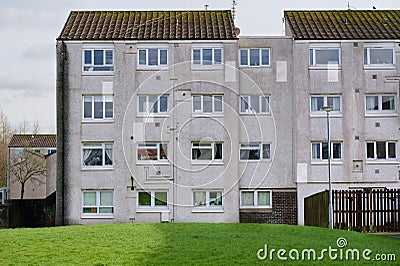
[
  {"x": 149, "y": 25},
  {"x": 33, "y": 141},
  {"x": 344, "y": 24}
]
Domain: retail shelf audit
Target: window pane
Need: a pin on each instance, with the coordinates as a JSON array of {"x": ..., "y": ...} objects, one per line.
[
  {"x": 381, "y": 56},
  {"x": 244, "y": 57},
  {"x": 109, "y": 107},
  {"x": 218, "y": 103},
  {"x": 365, "y": 56},
  {"x": 196, "y": 56},
  {"x": 244, "y": 106},
  {"x": 263, "y": 198},
  {"x": 317, "y": 103},
  {"x": 370, "y": 151},
  {"x": 92, "y": 157},
  {"x": 207, "y": 56},
  {"x": 87, "y": 107},
  {"x": 196, "y": 103},
  {"x": 98, "y": 57},
  {"x": 255, "y": 103},
  {"x": 89, "y": 198},
  {"x": 335, "y": 102},
  {"x": 250, "y": 154},
  {"x": 217, "y": 56},
  {"x": 207, "y": 104},
  {"x": 148, "y": 152},
  {"x": 144, "y": 199},
  {"x": 142, "y": 57},
  {"x": 388, "y": 103},
  {"x": 98, "y": 107},
  {"x": 153, "y": 104},
  {"x": 163, "y": 151},
  {"x": 109, "y": 57},
  {"x": 247, "y": 198},
  {"x": 199, "y": 198},
  {"x": 106, "y": 198},
  {"x": 202, "y": 153},
  {"x": 163, "y": 104},
  {"x": 215, "y": 198},
  {"x": 218, "y": 151},
  {"x": 153, "y": 57},
  {"x": 316, "y": 151},
  {"x": 106, "y": 210},
  {"x": 336, "y": 150},
  {"x": 372, "y": 103},
  {"x": 254, "y": 57},
  {"x": 160, "y": 198},
  {"x": 381, "y": 150},
  {"x": 88, "y": 57},
  {"x": 311, "y": 57},
  {"x": 266, "y": 151},
  {"x": 264, "y": 104},
  {"x": 142, "y": 104},
  {"x": 391, "y": 150},
  {"x": 325, "y": 150},
  {"x": 325, "y": 57},
  {"x": 163, "y": 57},
  {"x": 109, "y": 154},
  {"x": 265, "y": 57}
]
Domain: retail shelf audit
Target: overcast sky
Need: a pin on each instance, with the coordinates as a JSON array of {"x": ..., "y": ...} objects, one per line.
[{"x": 28, "y": 29}]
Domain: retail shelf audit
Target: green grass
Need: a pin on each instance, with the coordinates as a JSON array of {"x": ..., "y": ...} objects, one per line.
[{"x": 177, "y": 244}]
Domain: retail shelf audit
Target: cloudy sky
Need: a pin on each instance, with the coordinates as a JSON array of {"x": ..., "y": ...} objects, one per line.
[{"x": 28, "y": 29}]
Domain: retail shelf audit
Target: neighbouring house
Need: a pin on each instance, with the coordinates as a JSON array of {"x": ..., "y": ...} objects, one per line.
[
  {"x": 39, "y": 147},
  {"x": 172, "y": 116}
]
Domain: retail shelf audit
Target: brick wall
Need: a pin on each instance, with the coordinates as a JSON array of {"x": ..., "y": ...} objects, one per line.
[{"x": 284, "y": 210}]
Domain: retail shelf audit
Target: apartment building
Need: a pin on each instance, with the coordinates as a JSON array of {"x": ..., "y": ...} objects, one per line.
[{"x": 172, "y": 116}]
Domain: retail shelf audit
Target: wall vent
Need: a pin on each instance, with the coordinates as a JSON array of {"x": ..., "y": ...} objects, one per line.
[{"x": 377, "y": 124}]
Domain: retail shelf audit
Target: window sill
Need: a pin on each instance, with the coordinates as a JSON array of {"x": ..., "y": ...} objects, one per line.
[
  {"x": 152, "y": 68},
  {"x": 206, "y": 115},
  {"x": 325, "y": 67},
  {"x": 97, "y": 73},
  {"x": 379, "y": 67},
  {"x": 380, "y": 114},
  {"x": 149, "y": 116},
  {"x": 97, "y": 168},
  {"x": 209, "y": 210},
  {"x": 255, "y": 161},
  {"x": 325, "y": 162},
  {"x": 255, "y": 209},
  {"x": 382, "y": 162},
  {"x": 255, "y": 114},
  {"x": 152, "y": 163},
  {"x": 260, "y": 66},
  {"x": 99, "y": 216},
  {"x": 207, "y": 67},
  {"x": 152, "y": 210},
  {"x": 323, "y": 115},
  {"x": 97, "y": 121},
  {"x": 207, "y": 163}
]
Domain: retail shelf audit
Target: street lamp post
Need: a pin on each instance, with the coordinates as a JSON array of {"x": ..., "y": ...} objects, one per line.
[{"x": 328, "y": 109}]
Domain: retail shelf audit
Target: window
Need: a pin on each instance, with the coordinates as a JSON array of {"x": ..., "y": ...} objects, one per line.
[
  {"x": 153, "y": 57},
  {"x": 319, "y": 150},
  {"x": 153, "y": 199},
  {"x": 254, "y": 57},
  {"x": 152, "y": 104},
  {"x": 98, "y": 60},
  {"x": 207, "y": 56},
  {"x": 98, "y": 203},
  {"x": 207, "y": 152},
  {"x": 208, "y": 104},
  {"x": 381, "y": 150},
  {"x": 99, "y": 107},
  {"x": 253, "y": 151},
  {"x": 255, "y": 199},
  {"x": 379, "y": 55},
  {"x": 254, "y": 104},
  {"x": 322, "y": 100},
  {"x": 207, "y": 199},
  {"x": 97, "y": 154},
  {"x": 152, "y": 152},
  {"x": 380, "y": 104},
  {"x": 324, "y": 56}
]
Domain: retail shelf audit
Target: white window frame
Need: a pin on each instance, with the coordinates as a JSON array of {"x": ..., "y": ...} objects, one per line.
[
  {"x": 255, "y": 146},
  {"x": 331, "y": 150},
  {"x": 148, "y": 107},
  {"x": 325, "y": 103},
  {"x": 255, "y": 199},
  {"x": 152, "y": 205},
  {"x": 213, "y": 102},
  {"x": 262, "y": 99},
  {"x": 207, "y": 205},
  {"x": 159, "y": 50},
  {"x": 146, "y": 146},
  {"x": 91, "y": 67},
  {"x": 378, "y": 46},
  {"x": 313, "y": 59},
  {"x": 260, "y": 50},
  {"x": 387, "y": 142},
  {"x": 98, "y": 205},
  {"x": 211, "y": 146},
  {"x": 105, "y": 98},
  {"x": 380, "y": 104},
  {"x": 201, "y": 63},
  {"x": 98, "y": 145}
]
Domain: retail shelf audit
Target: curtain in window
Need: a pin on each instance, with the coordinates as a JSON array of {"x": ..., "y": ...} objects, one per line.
[
  {"x": 89, "y": 198},
  {"x": 199, "y": 198},
  {"x": 86, "y": 155},
  {"x": 316, "y": 151},
  {"x": 372, "y": 103},
  {"x": 247, "y": 198},
  {"x": 263, "y": 198},
  {"x": 109, "y": 154}
]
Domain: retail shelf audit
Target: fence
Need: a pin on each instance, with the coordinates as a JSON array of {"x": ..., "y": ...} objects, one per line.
[{"x": 369, "y": 210}]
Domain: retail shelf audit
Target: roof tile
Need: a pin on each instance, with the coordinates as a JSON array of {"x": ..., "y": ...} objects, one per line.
[{"x": 33, "y": 141}]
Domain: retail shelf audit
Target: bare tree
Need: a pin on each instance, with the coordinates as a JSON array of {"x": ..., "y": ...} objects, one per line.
[
  {"x": 27, "y": 165},
  {"x": 5, "y": 137}
]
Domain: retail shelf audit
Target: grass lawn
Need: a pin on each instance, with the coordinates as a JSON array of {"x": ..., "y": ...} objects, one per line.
[{"x": 182, "y": 244}]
